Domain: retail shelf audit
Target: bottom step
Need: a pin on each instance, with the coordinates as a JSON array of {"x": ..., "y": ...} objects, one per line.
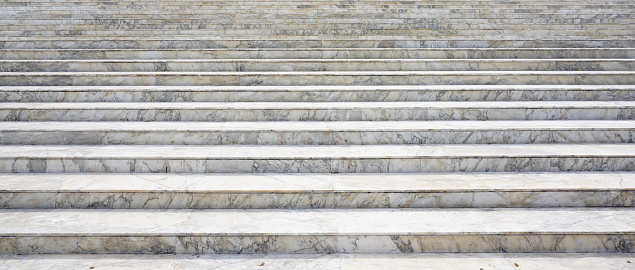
[
  {"x": 318, "y": 231},
  {"x": 336, "y": 261}
]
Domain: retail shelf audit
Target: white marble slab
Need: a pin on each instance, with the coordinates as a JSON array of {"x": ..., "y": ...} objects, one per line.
[
  {"x": 314, "y": 53},
  {"x": 548, "y": 261},
  {"x": 619, "y": 221},
  {"x": 312, "y": 191},
  {"x": 351, "y": 126},
  {"x": 316, "y": 152},
  {"x": 393, "y": 93},
  {"x": 255, "y": 183},
  {"x": 330, "y": 88},
  {"x": 318, "y": 105},
  {"x": 317, "y": 231}
]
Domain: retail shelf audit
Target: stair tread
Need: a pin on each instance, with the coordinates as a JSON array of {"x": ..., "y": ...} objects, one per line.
[
  {"x": 194, "y": 222},
  {"x": 473, "y": 60},
  {"x": 315, "y": 105},
  {"x": 317, "y": 183},
  {"x": 300, "y": 126},
  {"x": 310, "y": 129},
  {"x": 243, "y": 152},
  {"x": 332, "y": 88},
  {"x": 322, "y": 261},
  {"x": 319, "y": 73},
  {"x": 321, "y": 49}
]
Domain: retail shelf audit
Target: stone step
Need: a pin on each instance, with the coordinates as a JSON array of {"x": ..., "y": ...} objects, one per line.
[
  {"x": 297, "y": 5},
  {"x": 260, "y": 65},
  {"x": 306, "y": 191},
  {"x": 202, "y": 43},
  {"x": 598, "y": 20},
  {"x": 337, "y": 93},
  {"x": 430, "y": 4},
  {"x": 282, "y": 42},
  {"x": 320, "y": 17},
  {"x": 315, "y": 2},
  {"x": 318, "y": 231},
  {"x": 316, "y": 133},
  {"x": 320, "y": 53},
  {"x": 319, "y": 111},
  {"x": 424, "y": 261},
  {"x": 363, "y": 13},
  {"x": 294, "y": 11},
  {"x": 286, "y": 12},
  {"x": 273, "y": 33},
  {"x": 315, "y": 26},
  {"x": 316, "y": 78},
  {"x": 318, "y": 159},
  {"x": 311, "y": 9},
  {"x": 335, "y": 9}
]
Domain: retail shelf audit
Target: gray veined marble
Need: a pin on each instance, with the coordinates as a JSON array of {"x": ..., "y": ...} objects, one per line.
[
  {"x": 266, "y": 191},
  {"x": 317, "y": 78},
  {"x": 316, "y": 231},
  {"x": 317, "y": 111},
  {"x": 317, "y": 93},
  {"x": 319, "y": 53},
  {"x": 283, "y": 65},
  {"x": 171, "y": 43},
  {"x": 316, "y": 133},
  {"x": 423, "y": 261},
  {"x": 285, "y": 131},
  {"x": 318, "y": 159}
]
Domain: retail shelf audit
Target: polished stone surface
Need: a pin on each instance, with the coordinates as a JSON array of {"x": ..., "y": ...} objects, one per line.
[
  {"x": 323, "y": 93},
  {"x": 317, "y": 53},
  {"x": 317, "y": 133},
  {"x": 115, "y": 78},
  {"x": 548, "y": 261},
  {"x": 245, "y": 191},
  {"x": 317, "y": 231},
  {"x": 318, "y": 111},
  {"x": 318, "y": 159},
  {"x": 317, "y": 127}
]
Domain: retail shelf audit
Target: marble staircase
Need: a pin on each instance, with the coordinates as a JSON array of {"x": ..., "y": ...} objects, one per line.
[{"x": 317, "y": 127}]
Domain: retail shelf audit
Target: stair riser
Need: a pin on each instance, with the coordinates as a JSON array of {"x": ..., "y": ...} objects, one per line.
[
  {"x": 311, "y": 138},
  {"x": 316, "y": 65},
  {"x": 333, "y": 114},
  {"x": 326, "y": 18},
  {"x": 331, "y": 7},
  {"x": 339, "y": 4},
  {"x": 208, "y": 79},
  {"x": 311, "y": 244},
  {"x": 157, "y": 43},
  {"x": 317, "y": 2},
  {"x": 388, "y": 165},
  {"x": 329, "y": 26},
  {"x": 298, "y": 5},
  {"x": 313, "y": 200},
  {"x": 314, "y": 96},
  {"x": 176, "y": 175},
  {"x": 193, "y": 23},
  {"x": 319, "y": 12},
  {"x": 269, "y": 33},
  {"x": 319, "y": 54}
]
